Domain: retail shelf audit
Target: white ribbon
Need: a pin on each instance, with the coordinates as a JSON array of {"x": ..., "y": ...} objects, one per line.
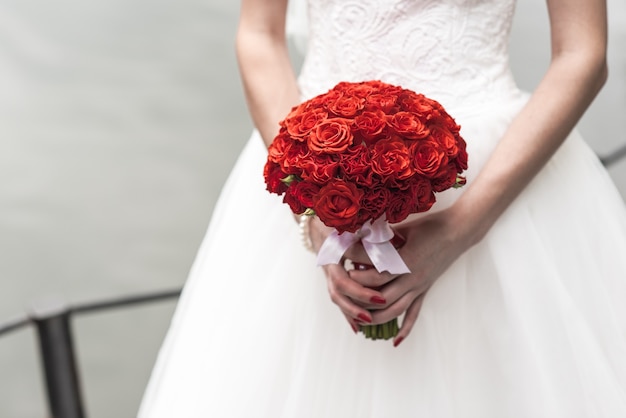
[{"x": 375, "y": 237}]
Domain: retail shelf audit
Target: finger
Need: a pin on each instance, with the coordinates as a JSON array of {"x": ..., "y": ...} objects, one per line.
[
  {"x": 371, "y": 277},
  {"x": 409, "y": 320},
  {"x": 353, "y": 325},
  {"x": 393, "y": 310},
  {"x": 400, "y": 287},
  {"x": 362, "y": 295},
  {"x": 345, "y": 293}
]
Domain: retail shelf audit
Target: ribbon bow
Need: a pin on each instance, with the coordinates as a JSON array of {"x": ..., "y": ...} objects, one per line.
[{"x": 375, "y": 237}]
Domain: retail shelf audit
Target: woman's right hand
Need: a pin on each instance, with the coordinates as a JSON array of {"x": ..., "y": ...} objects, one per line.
[{"x": 353, "y": 299}]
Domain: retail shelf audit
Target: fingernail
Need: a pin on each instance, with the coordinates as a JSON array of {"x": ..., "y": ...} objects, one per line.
[
  {"x": 397, "y": 341},
  {"x": 378, "y": 299},
  {"x": 364, "y": 318},
  {"x": 354, "y": 328}
]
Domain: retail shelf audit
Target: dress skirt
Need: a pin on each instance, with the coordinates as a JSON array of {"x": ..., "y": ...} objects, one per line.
[{"x": 530, "y": 322}]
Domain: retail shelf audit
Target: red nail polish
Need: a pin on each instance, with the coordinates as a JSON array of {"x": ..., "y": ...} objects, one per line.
[
  {"x": 354, "y": 328},
  {"x": 397, "y": 341},
  {"x": 377, "y": 299},
  {"x": 364, "y": 318}
]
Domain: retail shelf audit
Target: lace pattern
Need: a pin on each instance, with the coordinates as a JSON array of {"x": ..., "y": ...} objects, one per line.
[{"x": 455, "y": 51}]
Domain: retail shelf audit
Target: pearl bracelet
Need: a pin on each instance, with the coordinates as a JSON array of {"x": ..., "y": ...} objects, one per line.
[{"x": 305, "y": 235}]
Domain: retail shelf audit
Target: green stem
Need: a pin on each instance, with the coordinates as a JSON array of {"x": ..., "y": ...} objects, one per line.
[{"x": 384, "y": 331}]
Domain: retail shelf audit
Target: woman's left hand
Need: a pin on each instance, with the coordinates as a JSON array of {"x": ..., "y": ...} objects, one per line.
[{"x": 433, "y": 243}]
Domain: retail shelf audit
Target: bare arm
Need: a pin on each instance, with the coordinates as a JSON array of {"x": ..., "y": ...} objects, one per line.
[
  {"x": 576, "y": 73},
  {"x": 268, "y": 78},
  {"x": 271, "y": 91}
]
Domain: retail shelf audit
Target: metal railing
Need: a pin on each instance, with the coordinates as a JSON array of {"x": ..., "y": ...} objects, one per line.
[
  {"x": 614, "y": 156},
  {"x": 52, "y": 321}
]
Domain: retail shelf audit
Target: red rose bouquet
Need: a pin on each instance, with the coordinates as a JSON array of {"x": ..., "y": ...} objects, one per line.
[{"x": 362, "y": 156}]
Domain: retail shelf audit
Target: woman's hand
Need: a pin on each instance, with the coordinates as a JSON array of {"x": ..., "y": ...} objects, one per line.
[
  {"x": 353, "y": 299},
  {"x": 433, "y": 243}
]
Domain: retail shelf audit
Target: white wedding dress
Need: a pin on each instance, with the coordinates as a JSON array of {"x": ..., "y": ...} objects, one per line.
[{"x": 531, "y": 322}]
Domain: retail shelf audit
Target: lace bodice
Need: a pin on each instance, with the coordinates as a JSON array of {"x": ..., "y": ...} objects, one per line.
[{"x": 455, "y": 51}]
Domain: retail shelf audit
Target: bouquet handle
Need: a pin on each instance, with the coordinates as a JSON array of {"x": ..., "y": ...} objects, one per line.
[
  {"x": 391, "y": 328},
  {"x": 377, "y": 238}
]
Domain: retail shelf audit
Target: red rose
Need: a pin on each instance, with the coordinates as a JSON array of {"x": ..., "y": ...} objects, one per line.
[
  {"x": 445, "y": 120},
  {"x": 300, "y": 196},
  {"x": 446, "y": 139},
  {"x": 346, "y": 105},
  {"x": 301, "y": 108},
  {"x": 292, "y": 200},
  {"x": 427, "y": 108},
  {"x": 364, "y": 150},
  {"x": 278, "y": 147},
  {"x": 374, "y": 203},
  {"x": 356, "y": 165},
  {"x": 446, "y": 178},
  {"x": 424, "y": 194},
  {"x": 273, "y": 178},
  {"x": 331, "y": 136},
  {"x": 361, "y": 90},
  {"x": 382, "y": 101},
  {"x": 319, "y": 168},
  {"x": 430, "y": 106},
  {"x": 412, "y": 102},
  {"x": 428, "y": 157},
  {"x": 371, "y": 125},
  {"x": 461, "y": 158},
  {"x": 294, "y": 157},
  {"x": 300, "y": 123},
  {"x": 408, "y": 125},
  {"x": 305, "y": 192},
  {"x": 391, "y": 159},
  {"x": 401, "y": 205},
  {"x": 337, "y": 205},
  {"x": 321, "y": 101}
]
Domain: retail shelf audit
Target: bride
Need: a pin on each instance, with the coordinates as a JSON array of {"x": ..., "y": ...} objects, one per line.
[{"x": 514, "y": 304}]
